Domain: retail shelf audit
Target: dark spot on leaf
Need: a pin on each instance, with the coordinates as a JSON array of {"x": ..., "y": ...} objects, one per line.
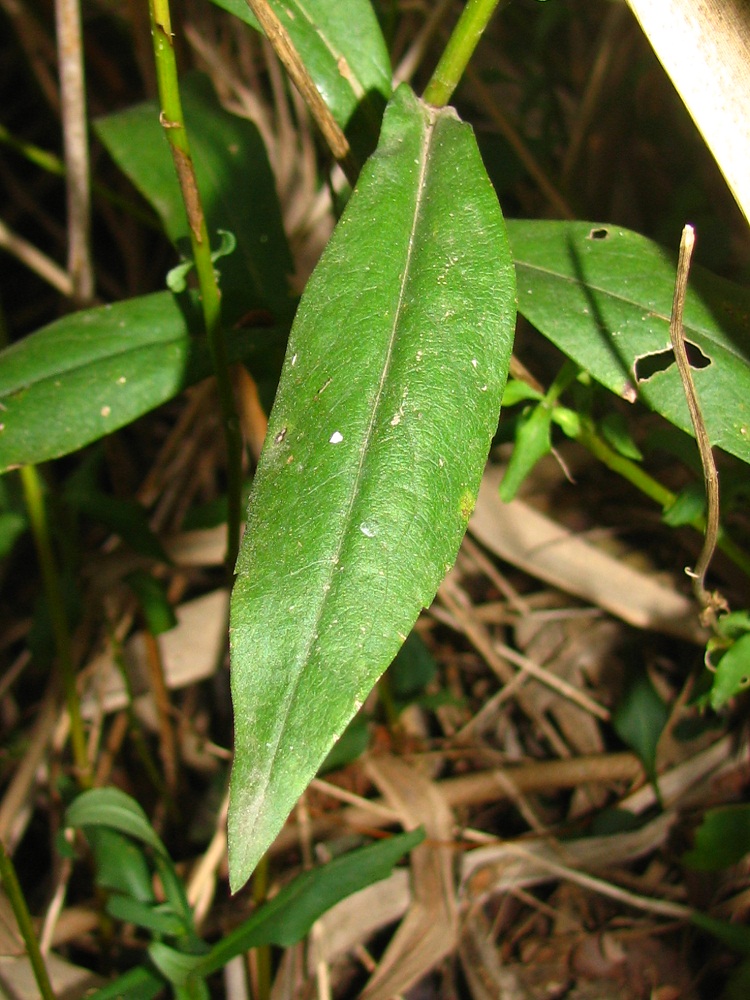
[
  {"x": 598, "y": 234},
  {"x": 322, "y": 389},
  {"x": 648, "y": 365}
]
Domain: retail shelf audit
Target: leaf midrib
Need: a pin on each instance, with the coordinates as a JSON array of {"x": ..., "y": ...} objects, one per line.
[
  {"x": 346, "y": 521},
  {"x": 95, "y": 360},
  {"x": 657, "y": 314}
]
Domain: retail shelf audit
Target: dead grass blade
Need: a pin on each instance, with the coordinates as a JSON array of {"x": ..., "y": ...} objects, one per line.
[
  {"x": 429, "y": 931},
  {"x": 529, "y": 540}
]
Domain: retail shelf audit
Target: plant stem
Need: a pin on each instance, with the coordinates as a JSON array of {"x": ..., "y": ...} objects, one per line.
[
  {"x": 15, "y": 895},
  {"x": 75, "y": 141},
  {"x": 173, "y": 122},
  {"x": 649, "y": 486},
  {"x": 32, "y": 488},
  {"x": 459, "y": 50},
  {"x": 262, "y": 952}
]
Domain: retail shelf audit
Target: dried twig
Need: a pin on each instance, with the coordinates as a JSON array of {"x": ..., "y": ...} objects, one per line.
[
  {"x": 711, "y": 603},
  {"x": 284, "y": 48},
  {"x": 75, "y": 140}
]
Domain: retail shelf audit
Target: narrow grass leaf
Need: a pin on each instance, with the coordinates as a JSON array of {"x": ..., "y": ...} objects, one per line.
[
  {"x": 389, "y": 398},
  {"x": 291, "y": 913},
  {"x": 140, "y": 983},
  {"x": 603, "y": 295}
]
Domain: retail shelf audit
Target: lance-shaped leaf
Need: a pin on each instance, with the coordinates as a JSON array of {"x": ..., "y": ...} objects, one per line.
[
  {"x": 603, "y": 295},
  {"x": 389, "y": 397},
  {"x": 92, "y": 372}
]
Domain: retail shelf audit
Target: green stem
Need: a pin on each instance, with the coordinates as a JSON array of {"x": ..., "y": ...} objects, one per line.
[
  {"x": 173, "y": 122},
  {"x": 263, "y": 951},
  {"x": 32, "y": 489},
  {"x": 649, "y": 486},
  {"x": 15, "y": 895},
  {"x": 459, "y": 50}
]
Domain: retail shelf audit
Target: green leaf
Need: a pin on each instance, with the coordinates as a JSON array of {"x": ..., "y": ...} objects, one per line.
[
  {"x": 92, "y": 372},
  {"x": 722, "y": 839},
  {"x": 13, "y": 519},
  {"x": 152, "y": 597},
  {"x": 236, "y": 187},
  {"x": 533, "y": 442},
  {"x": 290, "y": 914},
  {"x": 346, "y": 56},
  {"x": 603, "y": 295},
  {"x": 689, "y": 504},
  {"x": 352, "y": 743},
  {"x": 569, "y": 421},
  {"x": 735, "y": 936},
  {"x": 517, "y": 391},
  {"x": 176, "y": 966},
  {"x": 140, "y": 983},
  {"x": 127, "y": 518},
  {"x": 87, "y": 374},
  {"x": 150, "y": 918},
  {"x": 413, "y": 668},
  {"x": 615, "y": 430},
  {"x": 121, "y": 866},
  {"x": 639, "y": 720},
  {"x": 732, "y": 673},
  {"x": 111, "y": 808},
  {"x": 388, "y": 402},
  {"x": 734, "y": 624}
]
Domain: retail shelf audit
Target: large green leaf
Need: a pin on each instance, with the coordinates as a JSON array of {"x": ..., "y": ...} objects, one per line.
[
  {"x": 236, "y": 187},
  {"x": 92, "y": 372},
  {"x": 603, "y": 295},
  {"x": 388, "y": 401},
  {"x": 345, "y": 54}
]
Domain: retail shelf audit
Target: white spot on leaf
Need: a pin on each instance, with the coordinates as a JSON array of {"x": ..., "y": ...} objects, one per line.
[{"x": 336, "y": 438}]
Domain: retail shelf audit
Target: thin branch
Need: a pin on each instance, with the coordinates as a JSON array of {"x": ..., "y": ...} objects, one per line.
[
  {"x": 284, "y": 48},
  {"x": 75, "y": 142},
  {"x": 710, "y": 473},
  {"x": 35, "y": 260}
]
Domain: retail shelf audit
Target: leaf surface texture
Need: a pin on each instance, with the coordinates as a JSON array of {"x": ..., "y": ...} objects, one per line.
[{"x": 389, "y": 397}]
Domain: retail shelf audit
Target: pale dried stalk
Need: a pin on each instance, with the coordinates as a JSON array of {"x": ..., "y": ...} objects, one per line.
[
  {"x": 76, "y": 148},
  {"x": 663, "y": 907},
  {"x": 710, "y": 473},
  {"x": 35, "y": 260}
]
